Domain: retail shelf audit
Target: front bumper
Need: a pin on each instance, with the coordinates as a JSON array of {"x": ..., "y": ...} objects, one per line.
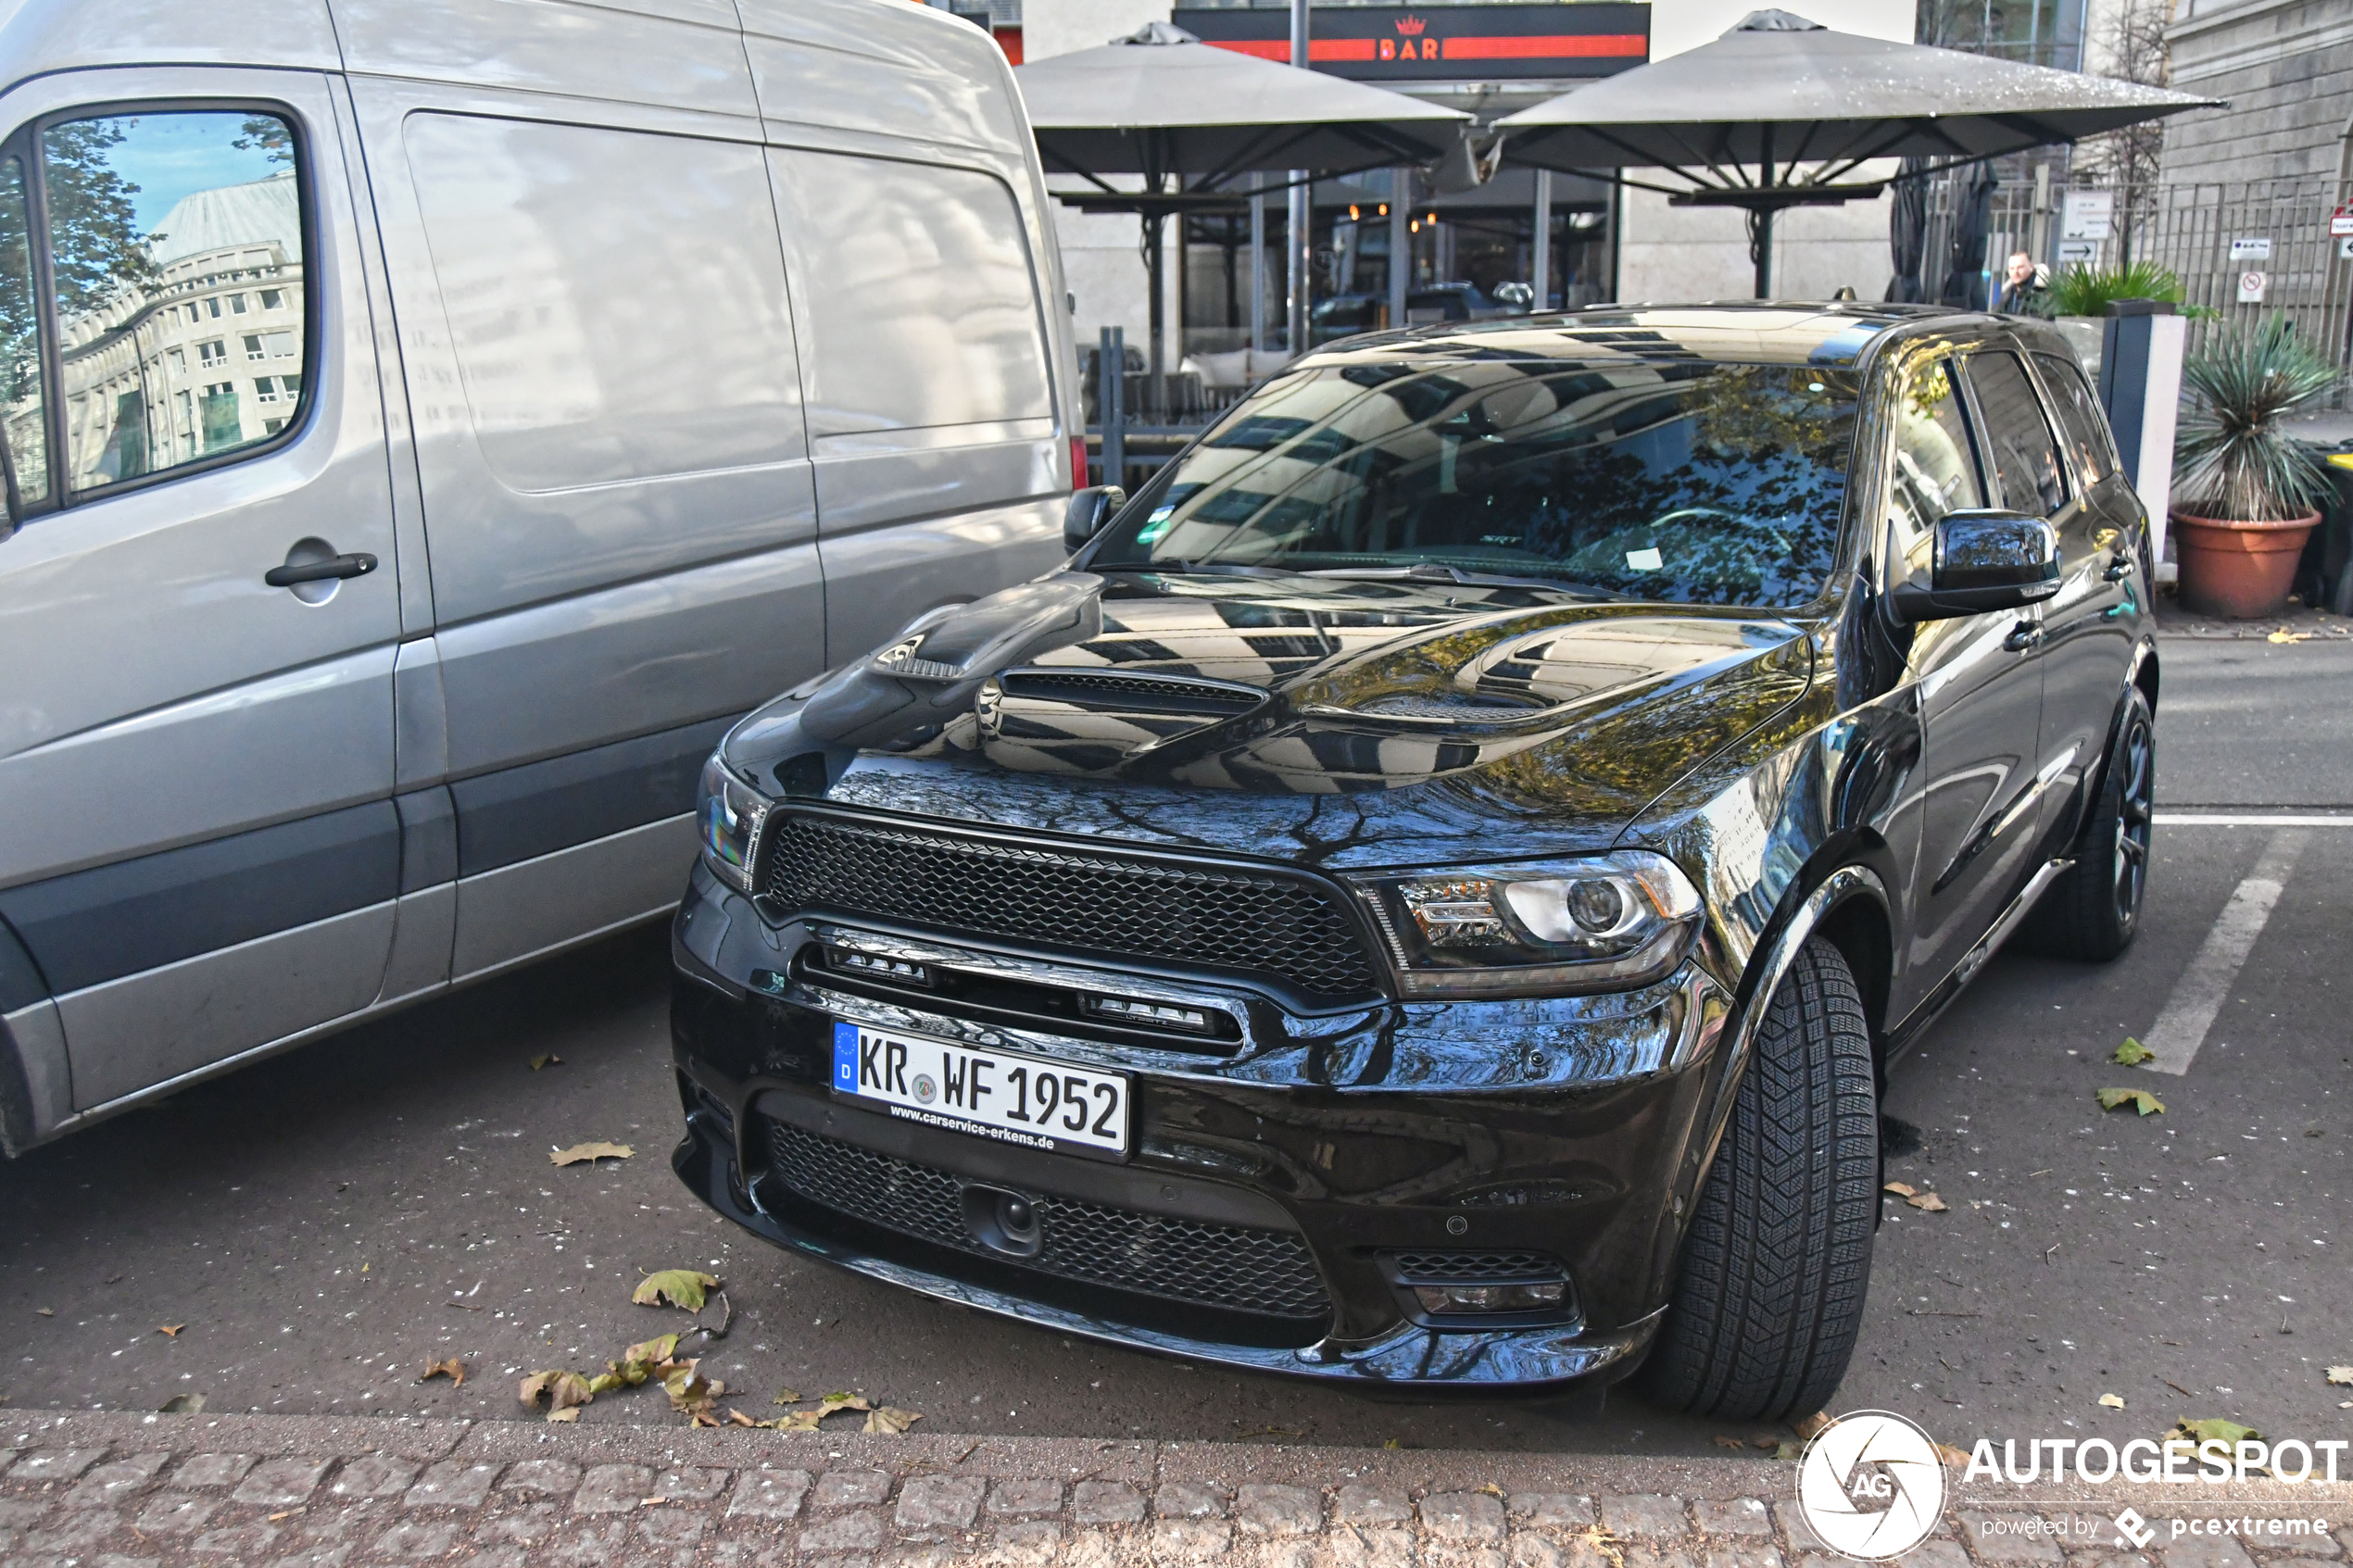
[{"x": 1449, "y": 1128}]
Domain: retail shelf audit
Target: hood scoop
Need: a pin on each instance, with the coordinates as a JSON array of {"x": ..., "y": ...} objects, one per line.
[
  {"x": 1047, "y": 719},
  {"x": 1119, "y": 691}
]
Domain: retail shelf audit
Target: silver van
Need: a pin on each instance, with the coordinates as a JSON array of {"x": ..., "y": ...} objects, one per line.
[{"x": 429, "y": 424}]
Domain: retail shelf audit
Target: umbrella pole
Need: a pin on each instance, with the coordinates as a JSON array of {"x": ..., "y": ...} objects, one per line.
[
  {"x": 1155, "y": 384},
  {"x": 1760, "y": 248}
]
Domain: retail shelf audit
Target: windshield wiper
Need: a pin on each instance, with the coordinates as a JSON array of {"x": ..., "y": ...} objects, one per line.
[
  {"x": 1438, "y": 571},
  {"x": 1176, "y": 568}
]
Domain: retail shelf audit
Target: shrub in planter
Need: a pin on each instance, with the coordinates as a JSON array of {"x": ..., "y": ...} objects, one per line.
[{"x": 2246, "y": 493}]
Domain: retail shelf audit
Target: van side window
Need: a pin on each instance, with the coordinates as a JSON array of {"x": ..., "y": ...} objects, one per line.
[
  {"x": 154, "y": 220},
  {"x": 919, "y": 295},
  {"x": 24, "y": 412},
  {"x": 2020, "y": 448},
  {"x": 1933, "y": 471},
  {"x": 2080, "y": 418}
]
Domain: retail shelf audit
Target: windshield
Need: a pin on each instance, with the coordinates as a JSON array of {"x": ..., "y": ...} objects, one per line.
[{"x": 1697, "y": 484}]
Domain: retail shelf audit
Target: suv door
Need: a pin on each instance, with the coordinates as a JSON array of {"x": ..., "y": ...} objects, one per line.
[
  {"x": 200, "y": 852},
  {"x": 2027, "y": 474},
  {"x": 2093, "y": 621},
  {"x": 1980, "y": 693}
]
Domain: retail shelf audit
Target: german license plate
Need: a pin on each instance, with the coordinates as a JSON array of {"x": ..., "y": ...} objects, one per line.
[{"x": 1026, "y": 1101}]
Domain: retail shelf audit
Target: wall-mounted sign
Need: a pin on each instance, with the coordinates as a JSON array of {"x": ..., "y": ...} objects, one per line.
[
  {"x": 2085, "y": 215},
  {"x": 2251, "y": 287},
  {"x": 2251, "y": 248},
  {"x": 2078, "y": 250},
  {"x": 1441, "y": 43},
  {"x": 2344, "y": 249},
  {"x": 2341, "y": 222}
]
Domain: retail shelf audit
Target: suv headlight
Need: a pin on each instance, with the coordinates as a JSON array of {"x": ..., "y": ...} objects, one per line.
[
  {"x": 1604, "y": 923},
  {"x": 728, "y": 813}
]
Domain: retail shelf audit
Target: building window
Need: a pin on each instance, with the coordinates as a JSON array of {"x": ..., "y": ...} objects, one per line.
[
  {"x": 212, "y": 353},
  {"x": 213, "y": 306},
  {"x": 274, "y": 299},
  {"x": 253, "y": 346},
  {"x": 265, "y": 390},
  {"x": 237, "y": 304}
]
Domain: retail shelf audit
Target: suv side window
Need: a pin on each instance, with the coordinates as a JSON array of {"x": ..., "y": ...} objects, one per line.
[
  {"x": 174, "y": 250},
  {"x": 1934, "y": 471},
  {"x": 2020, "y": 448},
  {"x": 2080, "y": 418}
]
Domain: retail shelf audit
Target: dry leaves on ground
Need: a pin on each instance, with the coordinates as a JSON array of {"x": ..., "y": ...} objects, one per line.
[
  {"x": 452, "y": 1369},
  {"x": 680, "y": 1287},
  {"x": 2209, "y": 1429},
  {"x": 1806, "y": 1425},
  {"x": 2131, "y": 1053},
  {"x": 2285, "y": 635},
  {"x": 549, "y": 1060},
  {"x": 1915, "y": 1197},
  {"x": 1950, "y": 1455},
  {"x": 562, "y": 1389},
  {"x": 2140, "y": 1101},
  {"x": 2113, "y": 1401},
  {"x": 169, "y": 1330},
  {"x": 890, "y": 1422},
  {"x": 2341, "y": 1375},
  {"x": 1740, "y": 1444},
  {"x": 182, "y": 1404},
  {"x": 589, "y": 1153}
]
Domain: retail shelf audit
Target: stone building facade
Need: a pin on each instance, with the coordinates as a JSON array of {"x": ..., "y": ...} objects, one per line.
[{"x": 2285, "y": 68}]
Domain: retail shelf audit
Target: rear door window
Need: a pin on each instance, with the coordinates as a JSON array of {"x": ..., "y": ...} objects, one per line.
[
  {"x": 916, "y": 284},
  {"x": 2020, "y": 446},
  {"x": 2080, "y": 420}
]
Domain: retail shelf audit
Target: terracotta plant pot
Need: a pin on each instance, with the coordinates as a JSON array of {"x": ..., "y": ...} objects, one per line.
[{"x": 2239, "y": 570}]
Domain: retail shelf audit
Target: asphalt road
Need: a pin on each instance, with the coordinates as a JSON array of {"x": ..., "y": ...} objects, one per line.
[{"x": 322, "y": 1226}]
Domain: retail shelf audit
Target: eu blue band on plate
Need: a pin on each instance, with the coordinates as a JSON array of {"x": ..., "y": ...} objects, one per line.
[{"x": 846, "y": 1057}]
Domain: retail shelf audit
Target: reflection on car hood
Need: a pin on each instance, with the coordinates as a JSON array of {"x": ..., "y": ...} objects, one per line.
[{"x": 1317, "y": 721}]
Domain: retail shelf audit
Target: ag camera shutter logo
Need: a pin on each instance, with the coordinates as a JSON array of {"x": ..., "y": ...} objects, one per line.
[{"x": 1871, "y": 1486}]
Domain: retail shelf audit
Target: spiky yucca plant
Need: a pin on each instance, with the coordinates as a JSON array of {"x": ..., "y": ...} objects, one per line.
[
  {"x": 2084, "y": 291},
  {"x": 2233, "y": 458}
]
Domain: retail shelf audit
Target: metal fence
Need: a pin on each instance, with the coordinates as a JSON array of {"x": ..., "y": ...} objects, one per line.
[{"x": 2209, "y": 235}]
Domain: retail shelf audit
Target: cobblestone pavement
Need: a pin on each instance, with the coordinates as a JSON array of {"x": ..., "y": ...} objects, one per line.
[{"x": 114, "y": 1491}]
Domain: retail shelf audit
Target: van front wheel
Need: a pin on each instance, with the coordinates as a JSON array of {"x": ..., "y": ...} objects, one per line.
[{"x": 1770, "y": 1296}]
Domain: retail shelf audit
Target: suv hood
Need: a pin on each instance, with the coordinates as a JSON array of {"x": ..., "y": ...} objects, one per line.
[{"x": 1319, "y": 721}]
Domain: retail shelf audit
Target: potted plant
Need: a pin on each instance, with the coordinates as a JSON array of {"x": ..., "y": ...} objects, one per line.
[
  {"x": 2246, "y": 492},
  {"x": 2079, "y": 298}
]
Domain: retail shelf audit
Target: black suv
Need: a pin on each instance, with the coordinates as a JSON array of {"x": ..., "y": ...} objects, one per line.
[{"x": 1430, "y": 894}]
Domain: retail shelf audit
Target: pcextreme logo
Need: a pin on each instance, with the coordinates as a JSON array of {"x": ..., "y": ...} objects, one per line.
[{"x": 1871, "y": 1485}]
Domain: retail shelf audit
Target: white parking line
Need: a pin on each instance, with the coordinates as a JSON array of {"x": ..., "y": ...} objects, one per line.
[
  {"x": 2189, "y": 1013},
  {"x": 2245, "y": 820}
]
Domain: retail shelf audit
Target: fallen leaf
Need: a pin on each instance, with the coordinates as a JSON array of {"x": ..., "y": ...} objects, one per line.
[
  {"x": 1805, "y": 1427},
  {"x": 1789, "y": 1451},
  {"x": 833, "y": 1402},
  {"x": 1899, "y": 1189},
  {"x": 570, "y": 1412},
  {"x": 689, "y": 1390},
  {"x": 2341, "y": 1375},
  {"x": 563, "y": 1390},
  {"x": 890, "y": 1422},
  {"x": 1950, "y": 1455},
  {"x": 682, "y": 1287},
  {"x": 2208, "y": 1430},
  {"x": 1738, "y": 1444},
  {"x": 283, "y": 1513},
  {"x": 169, "y": 1330},
  {"x": 43, "y": 1311},
  {"x": 1765, "y": 1441},
  {"x": 787, "y": 1396},
  {"x": 1392, "y": 1443},
  {"x": 640, "y": 1361},
  {"x": 1929, "y": 1201},
  {"x": 182, "y": 1404},
  {"x": 2142, "y": 1100},
  {"x": 2131, "y": 1053},
  {"x": 2113, "y": 1401},
  {"x": 549, "y": 1060},
  {"x": 798, "y": 1421},
  {"x": 741, "y": 1419},
  {"x": 2285, "y": 635},
  {"x": 606, "y": 1382},
  {"x": 591, "y": 1152},
  {"x": 651, "y": 1503},
  {"x": 452, "y": 1369}
]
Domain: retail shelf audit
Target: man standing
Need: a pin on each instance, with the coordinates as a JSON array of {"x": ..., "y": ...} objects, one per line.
[{"x": 2023, "y": 290}]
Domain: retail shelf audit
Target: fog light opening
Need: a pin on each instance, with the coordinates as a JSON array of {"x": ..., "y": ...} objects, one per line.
[
  {"x": 1151, "y": 1015},
  {"x": 1456, "y": 1300},
  {"x": 875, "y": 966}
]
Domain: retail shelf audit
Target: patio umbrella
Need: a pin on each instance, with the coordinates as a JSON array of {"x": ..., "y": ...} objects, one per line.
[
  {"x": 1907, "y": 232},
  {"x": 1779, "y": 111},
  {"x": 1193, "y": 120}
]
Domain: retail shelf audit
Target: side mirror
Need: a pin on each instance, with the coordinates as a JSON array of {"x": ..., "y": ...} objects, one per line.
[
  {"x": 1986, "y": 561},
  {"x": 1089, "y": 509}
]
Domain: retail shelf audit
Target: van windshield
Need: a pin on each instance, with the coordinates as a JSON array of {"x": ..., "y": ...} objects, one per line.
[{"x": 1697, "y": 484}]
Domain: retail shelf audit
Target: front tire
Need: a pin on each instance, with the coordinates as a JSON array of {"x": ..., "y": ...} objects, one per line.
[
  {"x": 2093, "y": 911},
  {"x": 1770, "y": 1296}
]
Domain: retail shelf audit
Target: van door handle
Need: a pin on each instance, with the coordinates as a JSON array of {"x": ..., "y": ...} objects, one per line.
[
  {"x": 2025, "y": 634},
  {"x": 358, "y": 564}
]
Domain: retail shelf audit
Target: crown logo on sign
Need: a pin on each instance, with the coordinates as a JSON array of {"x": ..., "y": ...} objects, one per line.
[{"x": 1411, "y": 26}]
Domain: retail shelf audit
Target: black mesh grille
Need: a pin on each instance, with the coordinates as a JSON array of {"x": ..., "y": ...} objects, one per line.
[
  {"x": 1229, "y": 1266},
  {"x": 1449, "y": 1267},
  {"x": 1147, "y": 691},
  {"x": 1166, "y": 910}
]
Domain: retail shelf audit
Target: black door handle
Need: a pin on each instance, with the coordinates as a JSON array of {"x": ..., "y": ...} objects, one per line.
[
  {"x": 358, "y": 564},
  {"x": 2023, "y": 636}
]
